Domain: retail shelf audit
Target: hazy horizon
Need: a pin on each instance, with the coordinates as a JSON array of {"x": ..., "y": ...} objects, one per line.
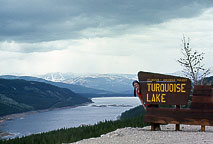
[{"x": 86, "y": 74}]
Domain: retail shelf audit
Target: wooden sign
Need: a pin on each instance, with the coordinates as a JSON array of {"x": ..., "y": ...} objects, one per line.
[{"x": 164, "y": 89}]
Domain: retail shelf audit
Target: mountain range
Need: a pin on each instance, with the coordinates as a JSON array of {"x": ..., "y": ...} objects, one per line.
[
  {"x": 73, "y": 87},
  {"x": 90, "y": 85},
  {"x": 20, "y": 95},
  {"x": 26, "y": 93},
  {"x": 117, "y": 84},
  {"x": 114, "y": 83}
]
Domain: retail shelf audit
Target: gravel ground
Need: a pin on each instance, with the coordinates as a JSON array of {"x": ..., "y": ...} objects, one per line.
[{"x": 188, "y": 135}]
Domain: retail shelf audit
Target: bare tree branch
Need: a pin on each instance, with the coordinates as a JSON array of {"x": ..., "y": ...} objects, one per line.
[{"x": 192, "y": 63}]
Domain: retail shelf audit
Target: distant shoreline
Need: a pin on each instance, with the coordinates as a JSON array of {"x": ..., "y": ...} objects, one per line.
[
  {"x": 18, "y": 115},
  {"x": 4, "y": 134}
]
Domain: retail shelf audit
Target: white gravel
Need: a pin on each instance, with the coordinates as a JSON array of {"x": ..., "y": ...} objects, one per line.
[{"x": 188, "y": 135}]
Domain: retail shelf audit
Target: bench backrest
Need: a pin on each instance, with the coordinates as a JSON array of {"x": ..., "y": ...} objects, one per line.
[{"x": 202, "y": 97}]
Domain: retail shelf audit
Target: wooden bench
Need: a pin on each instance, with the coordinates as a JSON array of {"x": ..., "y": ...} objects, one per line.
[{"x": 200, "y": 111}]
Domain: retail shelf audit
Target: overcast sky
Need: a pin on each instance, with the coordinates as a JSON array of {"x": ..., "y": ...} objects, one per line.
[{"x": 101, "y": 36}]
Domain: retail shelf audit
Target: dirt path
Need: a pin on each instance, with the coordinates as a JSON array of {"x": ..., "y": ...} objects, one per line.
[{"x": 187, "y": 135}]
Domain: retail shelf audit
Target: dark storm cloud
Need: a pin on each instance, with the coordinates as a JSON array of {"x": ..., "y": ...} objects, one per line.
[{"x": 38, "y": 20}]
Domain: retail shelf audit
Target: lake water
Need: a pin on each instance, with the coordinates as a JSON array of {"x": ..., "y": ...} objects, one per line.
[{"x": 105, "y": 108}]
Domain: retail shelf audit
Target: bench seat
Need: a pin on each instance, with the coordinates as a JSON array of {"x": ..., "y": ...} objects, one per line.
[{"x": 179, "y": 116}]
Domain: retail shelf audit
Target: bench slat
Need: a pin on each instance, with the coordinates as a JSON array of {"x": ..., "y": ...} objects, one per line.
[
  {"x": 179, "y": 114},
  {"x": 202, "y": 99},
  {"x": 201, "y": 106},
  {"x": 172, "y": 120},
  {"x": 203, "y": 90}
]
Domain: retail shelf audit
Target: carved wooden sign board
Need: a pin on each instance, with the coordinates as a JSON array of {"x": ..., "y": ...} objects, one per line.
[{"x": 164, "y": 89}]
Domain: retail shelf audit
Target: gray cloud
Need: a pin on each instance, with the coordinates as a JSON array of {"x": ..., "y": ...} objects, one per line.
[{"x": 37, "y": 20}]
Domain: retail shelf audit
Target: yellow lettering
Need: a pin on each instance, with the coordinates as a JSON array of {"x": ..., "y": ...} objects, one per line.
[
  {"x": 162, "y": 98},
  {"x": 182, "y": 87},
  {"x": 175, "y": 86},
  {"x": 157, "y": 98},
  {"x": 158, "y": 88},
  {"x": 181, "y": 80},
  {"x": 147, "y": 98},
  {"x": 171, "y": 87},
  {"x": 162, "y": 87},
  {"x": 178, "y": 87},
  {"x": 148, "y": 84},
  {"x": 153, "y": 88},
  {"x": 153, "y": 98},
  {"x": 166, "y": 87}
]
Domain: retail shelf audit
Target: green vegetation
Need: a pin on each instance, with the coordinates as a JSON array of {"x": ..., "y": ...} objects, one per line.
[
  {"x": 134, "y": 112},
  {"x": 20, "y": 96},
  {"x": 68, "y": 135}
]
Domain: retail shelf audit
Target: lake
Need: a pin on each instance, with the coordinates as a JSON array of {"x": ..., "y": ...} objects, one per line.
[{"x": 105, "y": 108}]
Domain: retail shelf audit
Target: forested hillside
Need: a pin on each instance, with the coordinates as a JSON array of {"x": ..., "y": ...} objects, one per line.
[{"x": 20, "y": 96}]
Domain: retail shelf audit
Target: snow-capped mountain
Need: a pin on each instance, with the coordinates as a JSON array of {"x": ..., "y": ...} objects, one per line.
[
  {"x": 75, "y": 88},
  {"x": 118, "y": 83}
]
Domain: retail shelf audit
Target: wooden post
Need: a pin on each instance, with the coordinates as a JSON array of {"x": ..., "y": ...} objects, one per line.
[
  {"x": 177, "y": 126},
  {"x": 203, "y": 128},
  {"x": 152, "y": 126}
]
